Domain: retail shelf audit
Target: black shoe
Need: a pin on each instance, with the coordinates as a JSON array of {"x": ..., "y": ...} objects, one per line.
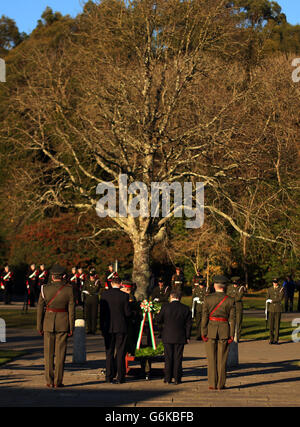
[
  {"x": 122, "y": 381},
  {"x": 177, "y": 382},
  {"x": 167, "y": 381},
  {"x": 109, "y": 381}
]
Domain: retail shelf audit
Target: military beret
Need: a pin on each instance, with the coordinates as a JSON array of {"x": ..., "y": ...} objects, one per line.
[
  {"x": 126, "y": 284},
  {"x": 57, "y": 269},
  {"x": 275, "y": 280},
  {"x": 160, "y": 280},
  {"x": 221, "y": 279},
  {"x": 92, "y": 272},
  {"x": 235, "y": 279}
]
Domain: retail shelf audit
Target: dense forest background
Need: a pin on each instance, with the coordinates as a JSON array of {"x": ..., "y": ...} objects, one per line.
[{"x": 254, "y": 178}]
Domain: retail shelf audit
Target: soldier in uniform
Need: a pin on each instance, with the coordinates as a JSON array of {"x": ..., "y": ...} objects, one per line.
[
  {"x": 55, "y": 321},
  {"x": 31, "y": 284},
  {"x": 75, "y": 282},
  {"x": 7, "y": 284},
  {"x": 109, "y": 276},
  {"x": 81, "y": 279},
  {"x": 275, "y": 295},
  {"x": 236, "y": 291},
  {"x": 42, "y": 279},
  {"x": 177, "y": 280},
  {"x": 199, "y": 293},
  {"x": 218, "y": 326},
  {"x": 289, "y": 290},
  {"x": 91, "y": 291},
  {"x": 161, "y": 293}
]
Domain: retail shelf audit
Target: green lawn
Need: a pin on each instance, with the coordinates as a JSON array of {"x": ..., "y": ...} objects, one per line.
[
  {"x": 15, "y": 319},
  {"x": 9, "y": 355},
  {"x": 255, "y": 329}
]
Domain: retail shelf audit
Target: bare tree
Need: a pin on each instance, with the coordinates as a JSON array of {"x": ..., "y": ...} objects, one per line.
[{"x": 148, "y": 89}]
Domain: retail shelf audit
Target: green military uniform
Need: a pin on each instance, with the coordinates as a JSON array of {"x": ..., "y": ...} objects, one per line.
[
  {"x": 55, "y": 321},
  {"x": 275, "y": 295},
  {"x": 218, "y": 326},
  {"x": 161, "y": 294},
  {"x": 177, "y": 280},
  {"x": 237, "y": 292},
  {"x": 91, "y": 291},
  {"x": 199, "y": 293}
]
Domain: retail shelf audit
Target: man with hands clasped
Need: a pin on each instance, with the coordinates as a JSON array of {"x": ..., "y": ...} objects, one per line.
[
  {"x": 55, "y": 322},
  {"x": 218, "y": 326},
  {"x": 275, "y": 295}
]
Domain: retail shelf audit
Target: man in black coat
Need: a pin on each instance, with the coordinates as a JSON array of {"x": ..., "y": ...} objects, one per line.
[
  {"x": 176, "y": 319},
  {"x": 114, "y": 311}
]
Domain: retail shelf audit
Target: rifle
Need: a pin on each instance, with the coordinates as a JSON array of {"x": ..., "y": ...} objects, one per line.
[
  {"x": 267, "y": 312},
  {"x": 193, "y": 306}
]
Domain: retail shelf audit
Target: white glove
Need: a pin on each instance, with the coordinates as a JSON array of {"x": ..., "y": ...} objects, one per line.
[
  {"x": 269, "y": 300},
  {"x": 196, "y": 299}
]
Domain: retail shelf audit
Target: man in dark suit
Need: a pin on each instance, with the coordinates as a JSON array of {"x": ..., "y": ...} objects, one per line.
[
  {"x": 176, "y": 319},
  {"x": 114, "y": 311}
]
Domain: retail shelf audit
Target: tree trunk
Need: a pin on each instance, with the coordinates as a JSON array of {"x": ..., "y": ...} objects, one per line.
[{"x": 141, "y": 266}]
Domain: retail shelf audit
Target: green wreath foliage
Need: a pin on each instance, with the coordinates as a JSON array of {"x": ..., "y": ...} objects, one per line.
[{"x": 150, "y": 352}]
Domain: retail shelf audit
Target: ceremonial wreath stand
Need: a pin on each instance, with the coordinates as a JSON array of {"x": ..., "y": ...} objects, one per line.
[{"x": 147, "y": 355}]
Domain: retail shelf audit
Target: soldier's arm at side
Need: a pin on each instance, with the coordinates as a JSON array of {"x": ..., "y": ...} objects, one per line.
[
  {"x": 71, "y": 310},
  {"x": 205, "y": 319},
  {"x": 232, "y": 319}
]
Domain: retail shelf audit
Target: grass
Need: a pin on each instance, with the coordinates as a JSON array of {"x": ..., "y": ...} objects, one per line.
[
  {"x": 255, "y": 329},
  {"x": 15, "y": 319},
  {"x": 9, "y": 355}
]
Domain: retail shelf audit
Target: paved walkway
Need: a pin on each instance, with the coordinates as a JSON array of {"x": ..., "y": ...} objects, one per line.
[{"x": 267, "y": 375}]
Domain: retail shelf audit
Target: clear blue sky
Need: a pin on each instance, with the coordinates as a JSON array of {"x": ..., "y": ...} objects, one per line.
[{"x": 27, "y": 12}]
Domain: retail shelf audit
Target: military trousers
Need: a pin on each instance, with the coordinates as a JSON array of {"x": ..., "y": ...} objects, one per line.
[
  {"x": 217, "y": 354},
  {"x": 274, "y": 322},
  {"x": 55, "y": 346},
  {"x": 288, "y": 302},
  {"x": 198, "y": 318},
  {"x": 91, "y": 305}
]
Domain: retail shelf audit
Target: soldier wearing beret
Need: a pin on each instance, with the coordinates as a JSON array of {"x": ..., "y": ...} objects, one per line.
[
  {"x": 55, "y": 322},
  {"x": 177, "y": 280},
  {"x": 199, "y": 293},
  {"x": 6, "y": 281},
  {"x": 161, "y": 293},
  {"x": 275, "y": 295},
  {"x": 218, "y": 326},
  {"x": 236, "y": 291},
  {"x": 91, "y": 292}
]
